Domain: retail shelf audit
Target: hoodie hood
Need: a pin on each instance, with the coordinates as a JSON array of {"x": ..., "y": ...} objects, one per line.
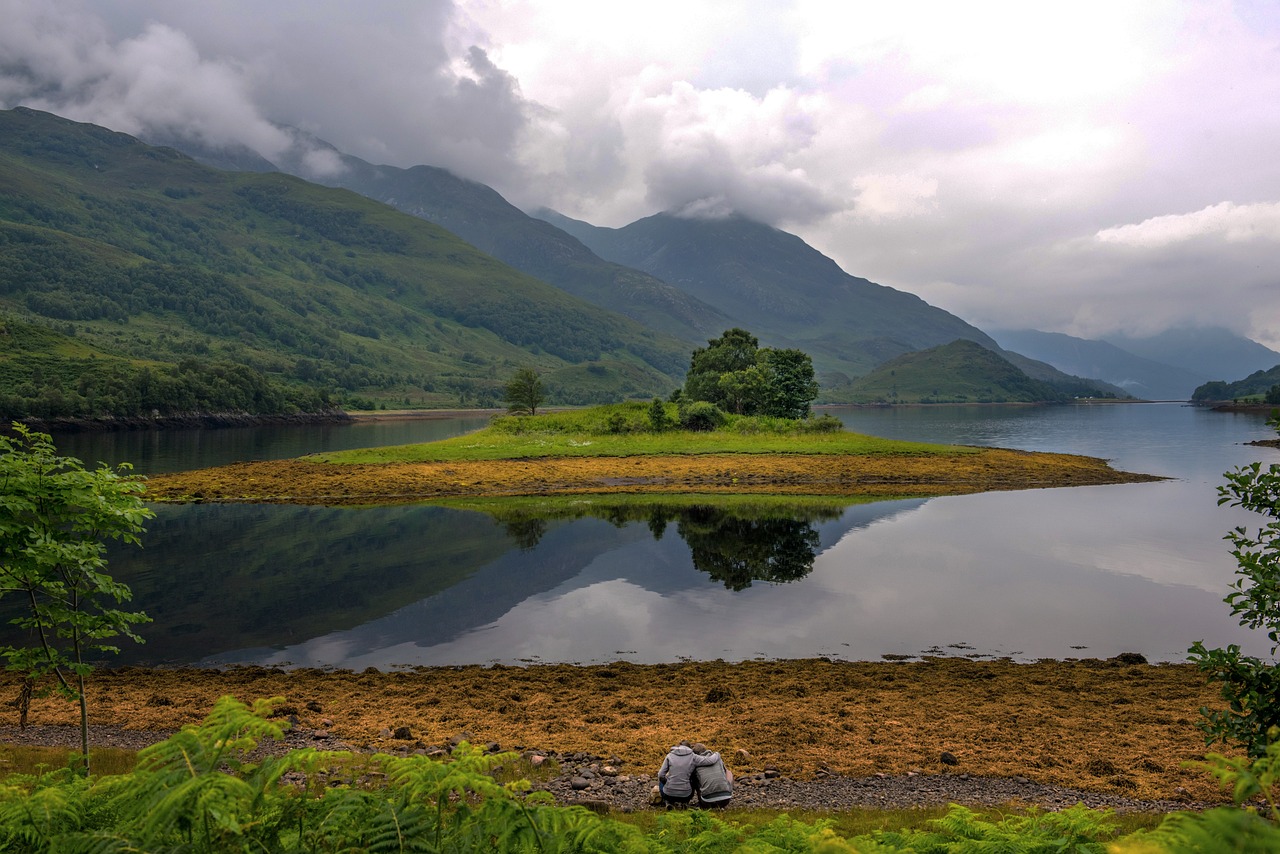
[{"x": 681, "y": 750}]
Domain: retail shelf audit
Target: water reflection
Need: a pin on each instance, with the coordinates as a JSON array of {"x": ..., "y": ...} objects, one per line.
[
  {"x": 737, "y": 551},
  {"x": 736, "y": 544},
  {"x": 1039, "y": 573}
]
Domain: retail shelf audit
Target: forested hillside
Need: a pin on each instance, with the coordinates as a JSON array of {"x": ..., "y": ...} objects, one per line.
[
  {"x": 142, "y": 255},
  {"x": 959, "y": 372},
  {"x": 1259, "y": 384}
]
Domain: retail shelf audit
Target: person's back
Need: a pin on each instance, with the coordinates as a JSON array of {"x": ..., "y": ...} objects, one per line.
[
  {"x": 675, "y": 777},
  {"x": 713, "y": 781}
]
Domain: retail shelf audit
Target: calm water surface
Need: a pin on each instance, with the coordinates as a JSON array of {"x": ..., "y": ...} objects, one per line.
[{"x": 1058, "y": 573}]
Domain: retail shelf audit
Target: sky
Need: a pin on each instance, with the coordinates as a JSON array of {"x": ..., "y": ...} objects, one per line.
[{"x": 1080, "y": 167}]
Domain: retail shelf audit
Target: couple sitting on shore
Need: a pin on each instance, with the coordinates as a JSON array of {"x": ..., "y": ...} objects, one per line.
[{"x": 691, "y": 770}]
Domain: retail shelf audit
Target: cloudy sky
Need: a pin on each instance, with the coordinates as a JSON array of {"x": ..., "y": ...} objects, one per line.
[{"x": 1085, "y": 167}]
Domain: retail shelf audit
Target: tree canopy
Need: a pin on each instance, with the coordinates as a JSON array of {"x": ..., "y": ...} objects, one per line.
[
  {"x": 524, "y": 393},
  {"x": 736, "y": 374},
  {"x": 55, "y": 517}
]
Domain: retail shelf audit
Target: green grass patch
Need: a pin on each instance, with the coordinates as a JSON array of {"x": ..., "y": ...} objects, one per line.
[{"x": 621, "y": 430}]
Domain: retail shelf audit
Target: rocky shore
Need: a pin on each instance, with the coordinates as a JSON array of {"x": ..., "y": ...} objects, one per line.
[
  {"x": 815, "y": 732},
  {"x": 609, "y": 783}
]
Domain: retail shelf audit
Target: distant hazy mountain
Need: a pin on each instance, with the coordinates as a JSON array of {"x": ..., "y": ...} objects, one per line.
[
  {"x": 779, "y": 287},
  {"x": 1143, "y": 378},
  {"x": 959, "y": 372},
  {"x": 1212, "y": 352}
]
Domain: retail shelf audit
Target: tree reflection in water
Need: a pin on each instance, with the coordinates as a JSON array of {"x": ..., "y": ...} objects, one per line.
[
  {"x": 737, "y": 551},
  {"x": 733, "y": 543}
]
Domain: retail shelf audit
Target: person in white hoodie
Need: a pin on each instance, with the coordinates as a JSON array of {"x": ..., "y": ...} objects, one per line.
[{"x": 675, "y": 777}]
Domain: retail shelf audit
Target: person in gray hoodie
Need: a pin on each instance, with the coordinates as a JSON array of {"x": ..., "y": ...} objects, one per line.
[
  {"x": 711, "y": 779},
  {"x": 675, "y": 777}
]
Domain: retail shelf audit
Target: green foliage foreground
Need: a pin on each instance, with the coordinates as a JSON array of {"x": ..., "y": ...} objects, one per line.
[{"x": 201, "y": 791}]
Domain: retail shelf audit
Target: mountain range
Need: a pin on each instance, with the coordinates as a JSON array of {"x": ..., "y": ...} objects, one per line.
[
  {"x": 142, "y": 253},
  {"x": 420, "y": 287},
  {"x": 1167, "y": 366}
]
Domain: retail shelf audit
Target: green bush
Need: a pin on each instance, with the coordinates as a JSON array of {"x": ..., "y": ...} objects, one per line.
[{"x": 702, "y": 416}]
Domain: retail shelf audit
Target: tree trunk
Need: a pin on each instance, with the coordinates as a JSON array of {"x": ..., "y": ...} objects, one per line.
[{"x": 84, "y": 724}]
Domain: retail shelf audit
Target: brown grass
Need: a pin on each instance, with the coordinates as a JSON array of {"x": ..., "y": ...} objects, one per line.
[
  {"x": 1098, "y": 725},
  {"x": 303, "y": 482}
]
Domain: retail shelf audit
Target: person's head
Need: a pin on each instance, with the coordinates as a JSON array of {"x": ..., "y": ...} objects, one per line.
[
  {"x": 698, "y": 747},
  {"x": 684, "y": 743}
]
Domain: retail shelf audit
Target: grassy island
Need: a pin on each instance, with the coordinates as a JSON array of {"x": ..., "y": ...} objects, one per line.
[{"x": 616, "y": 449}]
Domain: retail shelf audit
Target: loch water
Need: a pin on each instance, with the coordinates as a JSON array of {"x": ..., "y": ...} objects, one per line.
[{"x": 1050, "y": 573}]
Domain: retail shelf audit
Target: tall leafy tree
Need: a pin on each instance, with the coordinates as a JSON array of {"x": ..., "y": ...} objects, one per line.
[
  {"x": 523, "y": 393},
  {"x": 736, "y": 374},
  {"x": 791, "y": 386},
  {"x": 1249, "y": 684},
  {"x": 55, "y": 517}
]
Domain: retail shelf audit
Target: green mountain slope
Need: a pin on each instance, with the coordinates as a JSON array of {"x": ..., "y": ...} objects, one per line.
[
  {"x": 482, "y": 217},
  {"x": 144, "y": 254},
  {"x": 1258, "y": 383},
  {"x": 776, "y": 285},
  {"x": 959, "y": 372}
]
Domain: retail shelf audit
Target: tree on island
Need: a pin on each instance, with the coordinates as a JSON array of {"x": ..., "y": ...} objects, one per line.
[
  {"x": 734, "y": 373},
  {"x": 54, "y": 518},
  {"x": 524, "y": 394}
]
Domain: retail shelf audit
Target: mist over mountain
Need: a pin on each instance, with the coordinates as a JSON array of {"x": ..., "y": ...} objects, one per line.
[
  {"x": 1167, "y": 366},
  {"x": 1140, "y": 377},
  {"x": 1214, "y": 352}
]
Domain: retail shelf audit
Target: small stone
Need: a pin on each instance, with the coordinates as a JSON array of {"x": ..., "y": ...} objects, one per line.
[
  {"x": 492, "y": 747},
  {"x": 609, "y": 771},
  {"x": 579, "y": 783},
  {"x": 772, "y": 773},
  {"x": 320, "y": 733},
  {"x": 313, "y": 706},
  {"x": 403, "y": 733},
  {"x": 949, "y": 758},
  {"x": 537, "y": 760},
  {"x": 385, "y": 733},
  {"x": 326, "y": 722},
  {"x": 742, "y": 755}
]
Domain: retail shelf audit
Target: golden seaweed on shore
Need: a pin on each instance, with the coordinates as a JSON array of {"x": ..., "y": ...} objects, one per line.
[{"x": 1109, "y": 726}]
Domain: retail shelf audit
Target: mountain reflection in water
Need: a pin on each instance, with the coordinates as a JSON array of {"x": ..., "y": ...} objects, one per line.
[{"x": 465, "y": 578}]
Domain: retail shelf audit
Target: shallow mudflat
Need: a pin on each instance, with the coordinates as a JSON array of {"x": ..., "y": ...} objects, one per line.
[
  {"x": 1103, "y": 726},
  {"x": 310, "y": 482}
]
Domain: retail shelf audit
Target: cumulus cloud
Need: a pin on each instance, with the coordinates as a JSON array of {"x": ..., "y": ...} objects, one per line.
[
  {"x": 725, "y": 150},
  {"x": 1061, "y": 166},
  {"x": 395, "y": 89},
  {"x": 1225, "y": 221},
  {"x": 154, "y": 83}
]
